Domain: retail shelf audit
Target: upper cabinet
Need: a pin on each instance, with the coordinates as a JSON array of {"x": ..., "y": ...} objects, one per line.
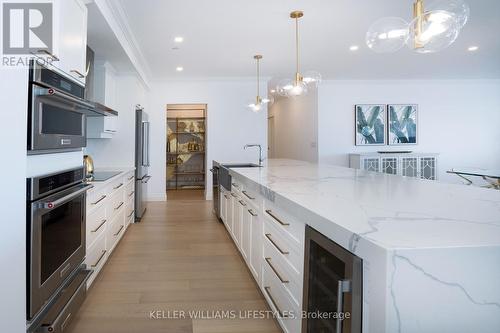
[{"x": 72, "y": 39}]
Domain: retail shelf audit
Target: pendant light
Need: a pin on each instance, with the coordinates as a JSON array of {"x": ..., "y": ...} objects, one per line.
[
  {"x": 432, "y": 29},
  {"x": 259, "y": 102},
  {"x": 300, "y": 84}
]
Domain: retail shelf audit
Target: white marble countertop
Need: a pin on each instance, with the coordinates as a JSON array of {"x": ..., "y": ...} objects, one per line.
[
  {"x": 390, "y": 211},
  {"x": 430, "y": 250}
]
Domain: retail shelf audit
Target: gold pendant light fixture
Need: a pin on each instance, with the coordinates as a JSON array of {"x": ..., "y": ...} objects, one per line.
[
  {"x": 432, "y": 29},
  {"x": 300, "y": 83},
  {"x": 259, "y": 102}
]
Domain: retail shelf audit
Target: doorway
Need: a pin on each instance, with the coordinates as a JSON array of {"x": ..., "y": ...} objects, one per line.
[{"x": 186, "y": 151}]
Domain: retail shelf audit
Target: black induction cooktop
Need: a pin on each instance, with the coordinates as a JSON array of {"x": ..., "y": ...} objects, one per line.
[{"x": 101, "y": 176}]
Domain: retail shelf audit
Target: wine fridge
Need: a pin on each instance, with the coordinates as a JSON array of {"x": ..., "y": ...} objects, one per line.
[{"x": 333, "y": 286}]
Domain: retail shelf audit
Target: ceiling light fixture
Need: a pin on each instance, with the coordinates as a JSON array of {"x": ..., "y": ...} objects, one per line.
[
  {"x": 300, "y": 84},
  {"x": 259, "y": 102},
  {"x": 179, "y": 68},
  {"x": 431, "y": 30},
  {"x": 178, "y": 39},
  {"x": 354, "y": 48},
  {"x": 473, "y": 48}
]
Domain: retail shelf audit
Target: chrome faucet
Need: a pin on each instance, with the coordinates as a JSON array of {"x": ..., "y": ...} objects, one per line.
[{"x": 261, "y": 159}]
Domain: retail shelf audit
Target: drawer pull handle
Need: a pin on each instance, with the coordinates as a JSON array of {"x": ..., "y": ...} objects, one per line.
[
  {"x": 242, "y": 203},
  {"x": 65, "y": 322},
  {"x": 131, "y": 194},
  {"x": 78, "y": 73},
  {"x": 268, "y": 292},
  {"x": 115, "y": 188},
  {"x": 275, "y": 271},
  {"x": 118, "y": 207},
  {"x": 100, "y": 199},
  {"x": 225, "y": 195},
  {"x": 131, "y": 177},
  {"x": 268, "y": 236},
  {"x": 99, "y": 227},
  {"x": 270, "y": 213},
  {"x": 252, "y": 212},
  {"x": 247, "y": 195},
  {"x": 118, "y": 232},
  {"x": 235, "y": 185},
  {"x": 234, "y": 195},
  {"x": 131, "y": 213},
  {"x": 99, "y": 260}
]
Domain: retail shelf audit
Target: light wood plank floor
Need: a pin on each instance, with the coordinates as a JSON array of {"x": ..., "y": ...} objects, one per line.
[{"x": 178, "y": 258}]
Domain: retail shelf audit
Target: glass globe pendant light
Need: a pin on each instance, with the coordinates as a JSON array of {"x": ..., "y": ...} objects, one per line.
[
  {"x": 300, "y": 84},
  {"x": 430, "y": 30},
  {"x": 459, "y": 8},
  {"x": 259, "y": 102},
  {"x": 387, "y": 35}
]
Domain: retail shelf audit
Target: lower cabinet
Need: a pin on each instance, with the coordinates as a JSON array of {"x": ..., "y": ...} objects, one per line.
[
  {"x": 272, "y": 244},
  {"x": 110, "y": 209}
]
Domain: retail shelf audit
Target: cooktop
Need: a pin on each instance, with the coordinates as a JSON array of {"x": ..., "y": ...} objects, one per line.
[{"x": 100, "y": 176}]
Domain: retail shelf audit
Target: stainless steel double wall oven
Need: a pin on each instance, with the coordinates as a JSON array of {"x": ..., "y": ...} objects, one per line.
[{"x": 56, "y": 243}]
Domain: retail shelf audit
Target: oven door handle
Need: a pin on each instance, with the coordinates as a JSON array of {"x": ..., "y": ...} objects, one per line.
[
  {"x": 66, "y": 198},
  {"x": 76, "y": 102}
]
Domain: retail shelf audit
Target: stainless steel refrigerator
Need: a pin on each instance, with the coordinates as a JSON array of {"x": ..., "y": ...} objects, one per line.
[{"x": 141, "y": 161}]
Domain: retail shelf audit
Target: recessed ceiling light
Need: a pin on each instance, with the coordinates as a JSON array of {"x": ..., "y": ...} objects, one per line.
[
  {"x": 354, "y": 48},
  {"x": 179, "y": 68},
  {"x": 178, "y": 39},
  {"x": 272, "y": 91},
  {"x": 473, "y": 48}
]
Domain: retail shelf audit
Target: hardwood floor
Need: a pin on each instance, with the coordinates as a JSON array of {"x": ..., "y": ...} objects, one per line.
[
  {"x": 186, "y": 195},
  {"x": 178, "y": 258}
]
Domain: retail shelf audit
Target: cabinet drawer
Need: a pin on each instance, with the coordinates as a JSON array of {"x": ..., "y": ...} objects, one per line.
[
  {"x": 280, "y": 300},
  {"x": 116, "y": 185},
  {"x": 291, "y": 252},
  {"x": 288, "y": 225},
  {"x": 96, "y": 224},
  {"x": 96, "y": 198},
  {"x": 289, "y": 277},
  {"x": 115, "y": 230},
  {"x": 96, "y": 257},
  {"x": 130, "y": 190},
  {"x": 129, "y": 177},
  {"x": 129, "y": 210},
  {"x": 116, "y": 204}
]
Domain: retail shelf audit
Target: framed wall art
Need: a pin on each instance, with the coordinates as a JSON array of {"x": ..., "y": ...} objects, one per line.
[
  {"x": 402, "y": 124},
  {"x": 370, "y": 124}
]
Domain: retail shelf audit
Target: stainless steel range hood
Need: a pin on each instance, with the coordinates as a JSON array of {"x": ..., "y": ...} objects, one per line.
[{"x": 100, "y": 109}]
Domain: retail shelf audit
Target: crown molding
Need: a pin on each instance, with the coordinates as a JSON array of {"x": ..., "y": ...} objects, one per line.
[{"x": 117, "y": 19}]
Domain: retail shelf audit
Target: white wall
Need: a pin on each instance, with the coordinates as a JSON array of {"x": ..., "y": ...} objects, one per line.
[
  {"x": 295, "y": 124},
  {"x": 229, "y": 125},
  {"x": 458, "y": 119},
  {"x": 119, "y": 151},
  {"x": 13, "y": 131}
]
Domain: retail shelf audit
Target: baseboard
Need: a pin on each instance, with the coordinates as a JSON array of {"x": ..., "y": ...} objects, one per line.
[{"x": 157, "y": 197}]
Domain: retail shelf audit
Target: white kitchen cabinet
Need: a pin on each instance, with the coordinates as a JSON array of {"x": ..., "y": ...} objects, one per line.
[
  {"x": 72, "y": 39},
  {"x": 102, "y": 127},
  {"x": 271, "y": 241},
  {"x": 255, "y": 229},
  {"x": 418, "y": 165},
  {"x": 246, "y": 233},
  {"x": 110, "y": 209}
]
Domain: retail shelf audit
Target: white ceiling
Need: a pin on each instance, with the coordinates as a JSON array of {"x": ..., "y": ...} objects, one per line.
[{"x": 221, "y": 37}]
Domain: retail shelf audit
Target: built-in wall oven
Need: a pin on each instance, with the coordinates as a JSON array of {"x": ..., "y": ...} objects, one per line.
[
  {"x": 55, "y": 238},
  {"x": 333, "y": 283},
  {"x": 56, "y": 111}
]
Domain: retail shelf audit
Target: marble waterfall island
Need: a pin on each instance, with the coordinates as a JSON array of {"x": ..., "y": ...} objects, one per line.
[{"x": 431, "y": 251}]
